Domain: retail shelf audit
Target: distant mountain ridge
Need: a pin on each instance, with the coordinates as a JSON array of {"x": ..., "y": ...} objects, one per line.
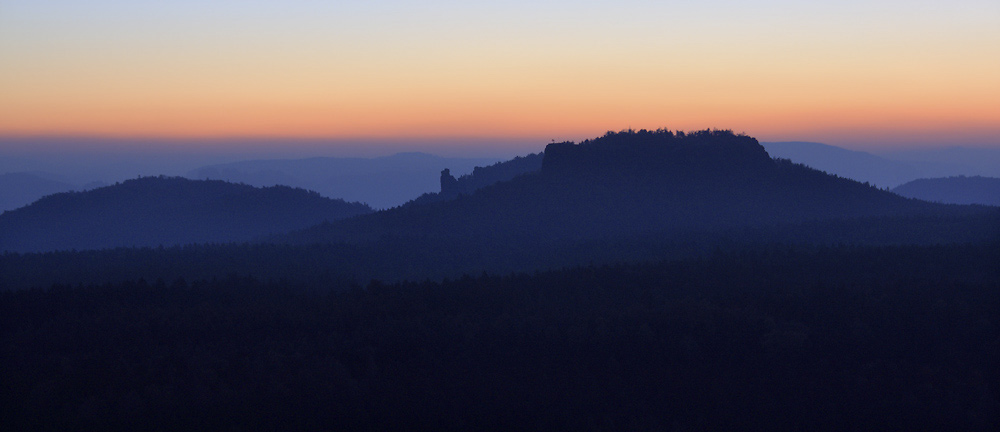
[
  {"x": 22, "y": 188},
  {"x": 857, "y": 165},
  {"x": 950, "y": 161},
  {"x": 954, "y": 190},
  {"x": 381, "y": 182},
  {"x": 153, "y": 211},
  {"x": 892, "y": 168}
]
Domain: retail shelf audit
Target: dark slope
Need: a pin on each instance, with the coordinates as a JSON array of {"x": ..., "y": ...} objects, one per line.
[
  {"x": 637, "y": 182},
  {"x": 857, "y": 165},
  {"x": 954, "y": 190},
  {"x": 20, "y": 189},
  {"x": 481, "y": 177},
  {"x": 156, "y": 211}
]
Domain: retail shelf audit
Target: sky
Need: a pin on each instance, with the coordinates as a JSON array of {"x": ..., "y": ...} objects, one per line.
[{"x": 859, "y": 74}]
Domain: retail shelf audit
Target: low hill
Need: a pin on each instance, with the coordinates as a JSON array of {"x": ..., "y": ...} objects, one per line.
[
  {"x": 954, "y": 190},
  {"x": 381, "y": 182},
  {"x": 636, "y": 182},
  {"x": 154, "y": 211}
]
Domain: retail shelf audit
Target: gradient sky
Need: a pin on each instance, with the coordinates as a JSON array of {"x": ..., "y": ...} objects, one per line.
[{"x": 851, "y": 73}]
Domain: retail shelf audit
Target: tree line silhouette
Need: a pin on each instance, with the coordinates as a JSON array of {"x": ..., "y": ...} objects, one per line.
[{"x": 819, "y": 338}]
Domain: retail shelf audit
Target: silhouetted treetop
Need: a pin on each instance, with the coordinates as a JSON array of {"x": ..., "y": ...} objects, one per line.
[{"x": 713, "y": 150}]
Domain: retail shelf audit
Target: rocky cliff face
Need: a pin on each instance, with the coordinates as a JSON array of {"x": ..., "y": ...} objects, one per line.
[
  {"x": 449, "y": 185},
  {"x": 481, "y": 177}
]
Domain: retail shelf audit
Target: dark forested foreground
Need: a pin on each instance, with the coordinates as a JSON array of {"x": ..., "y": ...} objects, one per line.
[
  {"x": 397, "y": 258},
  {"x": 856, "y": 338}
]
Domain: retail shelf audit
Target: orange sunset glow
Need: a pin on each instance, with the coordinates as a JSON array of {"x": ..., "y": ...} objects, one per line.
[{"x": 356, "y": 72}]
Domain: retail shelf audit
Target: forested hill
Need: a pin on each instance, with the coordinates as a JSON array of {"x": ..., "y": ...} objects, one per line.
[
  {"x": 634, "y": 182},
  {"x": 955, "y": 190},
  {"x": 154, "y": 211}
]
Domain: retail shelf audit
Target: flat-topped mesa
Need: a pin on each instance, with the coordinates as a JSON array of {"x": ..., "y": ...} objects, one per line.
[{"x": 659, "y": 150}]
